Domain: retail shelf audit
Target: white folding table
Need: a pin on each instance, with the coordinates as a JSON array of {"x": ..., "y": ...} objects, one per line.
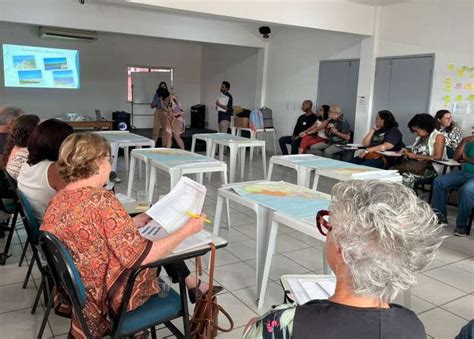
[
  {"x": 305, "y": 164},
  {"x": 254, "y": 135},
  {"x": 292, "y": 161},
  {"x": 124, "y": 139},
  {"x": 234, "y": 142},
  {"x": 167, "y": 156},
  {"x": 235, "y": 145},
  {"x": 268, "y": 221}
]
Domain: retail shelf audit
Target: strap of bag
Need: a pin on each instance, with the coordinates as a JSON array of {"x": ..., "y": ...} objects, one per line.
[{"x": 211, "y": 272}]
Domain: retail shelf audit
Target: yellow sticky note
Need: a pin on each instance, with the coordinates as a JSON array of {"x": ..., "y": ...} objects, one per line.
[
  {"x": 458, "y": 97},
  {"x": 469, "y": 86},
  {"x": 446, "y": 99},
  {"x": 450, "y": 67},
  {"x": 460, "y": 73},
  {"x": 448, "y": 80},
  {"x": 448, "y": 88},
  {"x": 470, "y": 97}
]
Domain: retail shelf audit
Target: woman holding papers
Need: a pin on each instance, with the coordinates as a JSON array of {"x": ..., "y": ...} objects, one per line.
[
  {"x": 384, "y": 136},
  {"x": 104, "y": 241},
  {"x": 379, "y": 236}
]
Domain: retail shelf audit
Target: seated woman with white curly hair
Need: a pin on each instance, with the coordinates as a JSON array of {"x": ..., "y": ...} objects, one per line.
[{"x": 379, "y": 235}]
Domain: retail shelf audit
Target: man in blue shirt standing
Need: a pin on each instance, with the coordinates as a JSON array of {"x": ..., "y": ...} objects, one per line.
[{"x": 462, "y": 180}]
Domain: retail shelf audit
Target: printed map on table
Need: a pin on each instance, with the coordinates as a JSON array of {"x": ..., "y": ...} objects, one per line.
[
  {"x": 287, "y": 198},
  {"x": 123, "y": 137},
  {"x": 174, "y": 157},
  {"x": 226, "y": 137}
]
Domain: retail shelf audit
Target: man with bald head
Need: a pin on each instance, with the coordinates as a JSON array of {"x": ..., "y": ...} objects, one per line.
[
  {"x": 8, "y": 115},
  {"x": 337, "y": 131},
  {"x": 304, "y": 122}
]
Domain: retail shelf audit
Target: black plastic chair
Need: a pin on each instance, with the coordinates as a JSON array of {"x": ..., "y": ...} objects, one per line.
[
  {"x": 154, "y": 312},
  {"x": 9, "y": 204}
]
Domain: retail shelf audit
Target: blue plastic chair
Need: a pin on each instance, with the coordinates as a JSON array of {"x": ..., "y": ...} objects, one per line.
[{"x": 154, "y": 312}]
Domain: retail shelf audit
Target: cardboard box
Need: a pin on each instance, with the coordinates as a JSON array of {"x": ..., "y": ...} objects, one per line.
[
  {"x": 237, "y": 109},
  {"x": 241, "y": 122}
]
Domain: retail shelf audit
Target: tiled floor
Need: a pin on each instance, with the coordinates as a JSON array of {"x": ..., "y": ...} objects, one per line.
[{"x": 443, "y": 297}]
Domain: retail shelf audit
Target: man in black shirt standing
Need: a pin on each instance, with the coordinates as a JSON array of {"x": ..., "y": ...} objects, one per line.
[
  {"x": 304, "y": 122},
  {"x": 224, "y": 107}
]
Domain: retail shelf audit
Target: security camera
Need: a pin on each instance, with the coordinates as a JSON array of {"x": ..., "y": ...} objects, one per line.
[
  {"x": 82, "y": 2},
  {"x": 265, "y": 31}
]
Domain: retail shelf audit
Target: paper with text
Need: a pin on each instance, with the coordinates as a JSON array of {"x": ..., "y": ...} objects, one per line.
[{"x": 170, "y": 211}]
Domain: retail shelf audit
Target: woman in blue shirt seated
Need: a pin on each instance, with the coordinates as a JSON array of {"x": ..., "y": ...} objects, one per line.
[
  {"x": 384, "y": 136},
  {"x": 379, "y": 236}
]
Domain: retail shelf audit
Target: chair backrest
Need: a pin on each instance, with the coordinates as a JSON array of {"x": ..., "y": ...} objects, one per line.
[
  {"x": 12, "y": 182},
  {"x": 267, "y": 114},
  {"x": 31, "y": 223},
  {"x": 65, "y": 274}
]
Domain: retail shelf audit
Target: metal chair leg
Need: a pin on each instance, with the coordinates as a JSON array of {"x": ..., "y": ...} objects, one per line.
[
  {"x": 38, "y": 295},
  {"x": 153, "y": 332},
  {"x": 184, "y": 306},
  {"x": 11, "y": 230},
  {"x": 46, "y": 316},
  {"x": 23, "y": 253},
  {"x": 30, "y": 267}
]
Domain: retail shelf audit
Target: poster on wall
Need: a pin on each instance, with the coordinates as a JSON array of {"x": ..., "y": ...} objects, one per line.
[
  {"x": 459, "y": 85},
  {"x": 459, "y": 95}
]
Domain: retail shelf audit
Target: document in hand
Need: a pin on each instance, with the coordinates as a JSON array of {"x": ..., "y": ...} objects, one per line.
[
  {"x": 170, "y": 212},
  {"x": 223, "y": 100}
]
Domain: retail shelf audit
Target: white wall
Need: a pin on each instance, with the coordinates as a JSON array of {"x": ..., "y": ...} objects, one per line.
[
  {"x": 238, "y": 65},
  {"x": 334, "y": 15},
  {"x": 293, "y": 65},
  {"x": 129, "y": 20},
  {"x": 103, "y": 66},
  {"x": 445, "y": 28}
]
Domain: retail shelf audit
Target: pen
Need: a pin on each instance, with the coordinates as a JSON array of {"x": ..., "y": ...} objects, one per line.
[{"x": 194, "y": 215}]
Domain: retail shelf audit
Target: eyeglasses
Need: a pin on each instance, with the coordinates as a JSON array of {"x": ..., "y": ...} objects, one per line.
[{"x": 322, "y": 222}]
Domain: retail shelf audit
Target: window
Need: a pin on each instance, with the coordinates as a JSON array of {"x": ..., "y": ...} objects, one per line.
[{"x": 132, "y": 69}]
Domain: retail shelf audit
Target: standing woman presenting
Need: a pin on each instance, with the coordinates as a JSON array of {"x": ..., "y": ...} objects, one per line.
[
  {"x": 173, "y": 119},
  {"x": 158, "y": 117}
]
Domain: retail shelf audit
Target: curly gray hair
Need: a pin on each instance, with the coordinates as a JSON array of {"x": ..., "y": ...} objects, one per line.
[
  {"x": 9, "y": 112},
  {"x": 386, "y": 235}
]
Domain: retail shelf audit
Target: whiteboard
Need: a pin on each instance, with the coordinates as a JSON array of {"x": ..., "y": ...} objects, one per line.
[{"x": 145, "y": 85}]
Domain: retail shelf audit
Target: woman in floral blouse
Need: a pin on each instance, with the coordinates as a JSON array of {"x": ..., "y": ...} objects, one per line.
[{"x": 452, "y": 133}]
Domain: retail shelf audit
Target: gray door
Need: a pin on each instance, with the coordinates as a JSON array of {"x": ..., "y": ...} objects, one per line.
[
  {"x": 403, "y": 86},
  {"x": 337, "y": 84}
]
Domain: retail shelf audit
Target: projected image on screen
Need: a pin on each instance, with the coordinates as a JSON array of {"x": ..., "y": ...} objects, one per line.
[{"x": 28, "y": 66}]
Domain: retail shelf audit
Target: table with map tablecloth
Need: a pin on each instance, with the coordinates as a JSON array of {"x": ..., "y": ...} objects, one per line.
[{"x": 274, "y": 203}]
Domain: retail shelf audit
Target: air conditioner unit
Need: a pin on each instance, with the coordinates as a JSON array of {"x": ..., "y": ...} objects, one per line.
[{"x": 67, "y": 33}]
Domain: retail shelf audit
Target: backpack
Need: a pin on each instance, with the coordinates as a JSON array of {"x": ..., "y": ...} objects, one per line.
[{"x": 256, "y": 120}]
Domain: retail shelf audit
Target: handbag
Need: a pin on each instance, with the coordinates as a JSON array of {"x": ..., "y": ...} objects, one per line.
[
  {"x": 204, "y": 320},
  {"x": 417, "y": 167}
]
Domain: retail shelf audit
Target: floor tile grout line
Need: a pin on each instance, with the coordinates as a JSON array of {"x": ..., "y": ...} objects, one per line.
[{"x": 445, "y": 283}]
